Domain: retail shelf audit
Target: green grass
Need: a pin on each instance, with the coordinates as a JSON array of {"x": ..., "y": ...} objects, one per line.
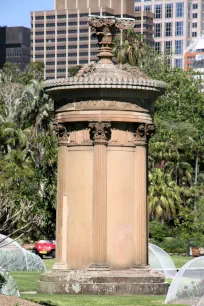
[
  {"x": 180, "y": 260},
  {"x": 26, "y": 281},
  {"x": 82, "y": 300}
]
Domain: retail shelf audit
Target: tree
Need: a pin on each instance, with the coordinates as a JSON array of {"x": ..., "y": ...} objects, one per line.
[
  {"x": 132, "y": 48},
  {"x": 164, "y": 196}
]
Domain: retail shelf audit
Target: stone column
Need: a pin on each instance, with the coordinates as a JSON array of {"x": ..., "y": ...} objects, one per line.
[
  {"x": 100, "y": 133},
  {"x": 143, "y": 133},
  {"x": 62, "y": 203}
]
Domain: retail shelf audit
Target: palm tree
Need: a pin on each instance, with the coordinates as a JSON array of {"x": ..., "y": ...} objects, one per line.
[
  {"x": 178, "y": 170},
  {"x": 164, "y": 196},
  {"x": 131, "y": 50},
  {"x": 36, "y": 108}
]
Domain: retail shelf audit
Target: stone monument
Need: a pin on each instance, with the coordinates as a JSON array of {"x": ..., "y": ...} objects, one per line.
[{"x": 103, "y": 119}]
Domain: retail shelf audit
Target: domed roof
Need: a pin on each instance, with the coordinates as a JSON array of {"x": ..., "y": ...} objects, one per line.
[{"x": 104, "y": 74}]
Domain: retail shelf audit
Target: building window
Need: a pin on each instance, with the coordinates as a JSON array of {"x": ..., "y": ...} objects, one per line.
[
  {"x": 83, "y": 53},
  {"x": 72, "y": 62},
  {"x": 194, "y": 25},
  {"x": 61, "y": 32},
  {"x": 61, "y": 39},
  {"x": 137, "y": 8},
  {"x": 158, "y": 30},
  {"x": 50, "y": 48},
  {"x": 168, "y": 47},
  {"x": 61, "y": 24},
  {"x": 179, "y": 47},
  {"x": 158, "y": 11},
  {"x": 83, "y": 46},
  {"x": 39, "y": 25},
  {"x": 194, "y": 34},
  {"x": 83, "y": 22},
  {"x": 72, "y": 31},
  {"x": 61, "y": 63},
  {"x": 179, "y": 28},
  {"x": 72, "y": 54},
  {"x": 39, "y": 41},
  {"x": 83, "y": 30},
  {"x": 39, "y": 56},
  {"x": 195, "y": 6},
  {"x": 50, "y": 17},
  {"x": 50, "y": 71},
  {"x": 169, "y": 10},
  {"x": 72, "y": 39},
  {"x": 195, "y": 15},
  {"x": 72, "y": 23},
  {"x": 39, "y": 17},
  {"x": 157, "y": 46},
  {"x": 148, "y": 8},
  {"x": 39, "y": 33},
  {"x": 50, "y": 40},
  {"x": 74, "y": 46},
  {"x": 179, "y": 63},
  {"x": 50, "y": 32},
  {"x": 61, "y": 16},
  {"x": 83, "y": 62},
  {"x": 61, "y": 55},
  {"x": 168, "y": 29},
  {"x": 83, "y": 38},
  {"x": 61, "y": 47},
  {"x": 39, "y": 48},
  {"x": 72, "y": 15},
  {"x": 50, "y": 25},
  {"x": 50, "y": 55},
  {"x": 179, "y": 9},
  {"x": 50, "y": 63}
]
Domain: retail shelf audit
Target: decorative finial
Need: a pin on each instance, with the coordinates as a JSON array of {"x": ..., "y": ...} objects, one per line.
[{"x": 104, "y": 27}]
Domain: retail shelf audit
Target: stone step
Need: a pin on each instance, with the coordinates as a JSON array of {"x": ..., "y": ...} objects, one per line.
[
  {"x": 103, "y": 288},
  {"x": 98, "y": 279}
]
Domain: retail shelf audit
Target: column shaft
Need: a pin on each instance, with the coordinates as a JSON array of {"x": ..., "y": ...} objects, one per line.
[
  {"x": 141, "y": 212},
  {"x": 100, "y": 205}
]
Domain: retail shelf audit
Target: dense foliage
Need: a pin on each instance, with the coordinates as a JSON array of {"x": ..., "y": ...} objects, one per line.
[{"x": 28, "y": 158}]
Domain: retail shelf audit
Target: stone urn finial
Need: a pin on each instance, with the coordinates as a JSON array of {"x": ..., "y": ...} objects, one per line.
[{"x": 104, "y": 27}]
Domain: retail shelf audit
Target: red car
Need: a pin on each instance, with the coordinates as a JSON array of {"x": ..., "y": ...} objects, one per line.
[{"x": 45, "y": 247}]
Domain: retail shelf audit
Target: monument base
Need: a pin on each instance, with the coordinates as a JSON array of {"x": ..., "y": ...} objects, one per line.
[{"x": 137, "y": 281}]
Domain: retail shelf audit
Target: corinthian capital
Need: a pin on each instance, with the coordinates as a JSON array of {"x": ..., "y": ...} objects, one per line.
[
  {"x": 144, "y": 132},
  {"x": 100, "y": 132},
  {"x": 62, "y": 134}
]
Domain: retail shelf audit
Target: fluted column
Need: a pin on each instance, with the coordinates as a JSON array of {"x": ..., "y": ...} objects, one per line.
[
  {"x": 100, "y": 133},
  {"x": 62, "y": 203},
  {"x": 143, "y": 133}
]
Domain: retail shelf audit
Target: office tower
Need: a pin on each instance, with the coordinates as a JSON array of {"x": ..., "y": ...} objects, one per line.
[
  {"x": 15, "y": 46},
  {"x": 62, "y": 38},
  {"x": 176, "y": 24}
]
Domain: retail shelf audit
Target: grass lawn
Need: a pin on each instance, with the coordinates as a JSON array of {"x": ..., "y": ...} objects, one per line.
[
  {"x": 26, "y": 281},
  {"x": 180, "y": 260},
  {"x": 82, "y": 300}
]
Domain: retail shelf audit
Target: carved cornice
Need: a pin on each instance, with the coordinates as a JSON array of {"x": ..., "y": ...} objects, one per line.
[
  {"x": 62, "y": 134},
  {"x": 100, "y": 132},
  {"x": 143, "y": 133},
  {"x": 101, "y": 104}
]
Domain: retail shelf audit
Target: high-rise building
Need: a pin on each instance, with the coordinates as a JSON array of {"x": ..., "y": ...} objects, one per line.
[
  {"x": 176, "y": 24},
  {"x": 15, "y": 46},
  {"x": 62, "y": 38}
]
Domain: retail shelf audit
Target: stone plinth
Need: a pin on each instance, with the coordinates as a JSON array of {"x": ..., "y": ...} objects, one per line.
[
  {"x": 122, "y": 282},
  {"x": 103, "y": 120}
]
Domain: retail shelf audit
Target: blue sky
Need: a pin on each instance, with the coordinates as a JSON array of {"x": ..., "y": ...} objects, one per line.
[{"x": 17, "y": 12}]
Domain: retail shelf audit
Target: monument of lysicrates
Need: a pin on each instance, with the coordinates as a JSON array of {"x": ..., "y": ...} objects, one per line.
[{"x": 103, "y": 119}]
